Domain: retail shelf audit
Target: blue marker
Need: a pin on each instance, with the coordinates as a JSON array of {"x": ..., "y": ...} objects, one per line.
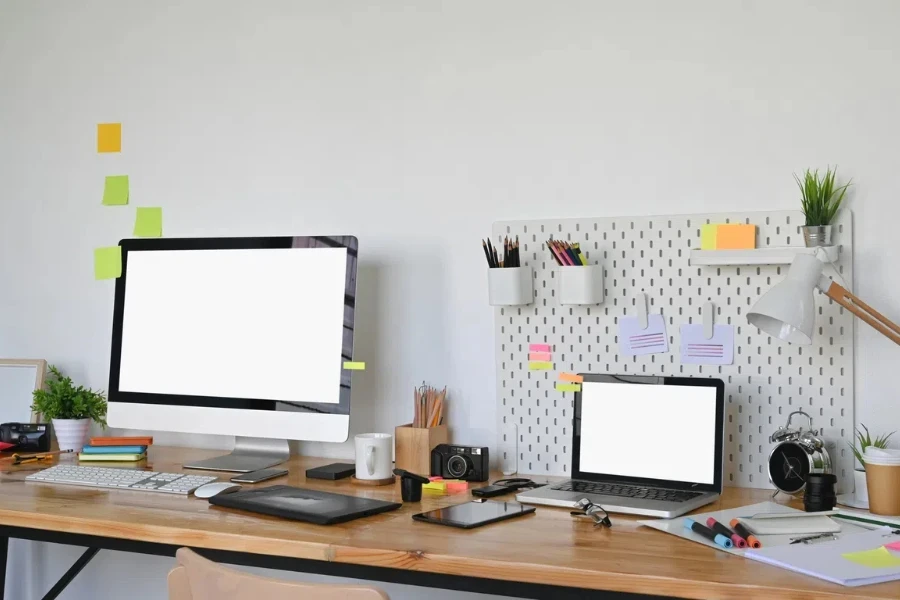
[{"x": 708, "y": 533}]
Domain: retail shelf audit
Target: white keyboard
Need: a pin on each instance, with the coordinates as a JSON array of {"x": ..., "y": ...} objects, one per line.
[{"x": 122, "y": 479}]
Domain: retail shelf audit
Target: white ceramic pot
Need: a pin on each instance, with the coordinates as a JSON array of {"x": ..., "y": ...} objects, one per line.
[
  {"x": 860, "y": 490},
  {"x": 71, "y": 434}
]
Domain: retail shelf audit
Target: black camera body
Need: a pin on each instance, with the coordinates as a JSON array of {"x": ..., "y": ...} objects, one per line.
[
  {"x": 468, "y": 463},
  {"x": 27, "y": 437}
]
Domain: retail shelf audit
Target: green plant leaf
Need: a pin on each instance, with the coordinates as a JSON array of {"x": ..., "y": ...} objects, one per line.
[
  {"x": 63, "y": 400},
  {"x": 820, "y": 199}
]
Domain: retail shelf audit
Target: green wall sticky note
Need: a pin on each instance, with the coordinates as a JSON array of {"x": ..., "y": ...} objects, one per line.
[
  {"x": 115, "y": 192},
  {"x": 874, "y": 559},
  {"x": 568, "y": 387},
  {"x": 355, "y": 366},
  {"x": 708, "y": 236},
  {"x": 107, "y": 262},
  {"x": 540, "y": 365},
  {"x": 148, "y": 222}
]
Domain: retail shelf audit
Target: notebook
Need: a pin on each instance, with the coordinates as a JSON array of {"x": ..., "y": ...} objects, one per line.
[
  {"x": 784, "y": 525},
  {"x": 114, "y": 449},
  {"x": 851, "y": 560}
]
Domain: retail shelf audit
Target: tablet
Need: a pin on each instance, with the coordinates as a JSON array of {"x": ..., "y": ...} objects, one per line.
[{"x": 475, "y": 514}]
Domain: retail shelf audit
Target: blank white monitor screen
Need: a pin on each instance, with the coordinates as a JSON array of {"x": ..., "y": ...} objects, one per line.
[
  {"x": 237, "y": 323},
  {"x": 654, "y": 431}
]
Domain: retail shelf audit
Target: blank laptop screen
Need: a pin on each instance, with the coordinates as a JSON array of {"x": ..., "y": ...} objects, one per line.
[{"x": 654, "y": 431}]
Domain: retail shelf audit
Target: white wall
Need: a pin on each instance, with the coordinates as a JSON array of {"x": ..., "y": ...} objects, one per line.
[{"x": 414, "y": 125}]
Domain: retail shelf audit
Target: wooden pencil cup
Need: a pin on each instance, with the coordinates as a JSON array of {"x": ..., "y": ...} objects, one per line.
[{"x": 414, "y": 445}]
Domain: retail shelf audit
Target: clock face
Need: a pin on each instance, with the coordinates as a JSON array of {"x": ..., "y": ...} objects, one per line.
[{"x": 788, "y": 468}]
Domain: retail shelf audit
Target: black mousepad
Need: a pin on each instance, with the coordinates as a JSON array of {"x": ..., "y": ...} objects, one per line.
[{"x": 322, "y": 508}]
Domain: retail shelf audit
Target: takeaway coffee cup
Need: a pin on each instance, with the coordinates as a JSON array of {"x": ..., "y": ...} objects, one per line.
[{"x": 883, "y": 480}]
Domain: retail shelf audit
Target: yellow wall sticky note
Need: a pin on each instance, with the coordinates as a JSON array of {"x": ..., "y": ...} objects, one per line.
[
  {"x": 115, "y": 191},
  {"x": 107, "y": 262},
  {"x": 735, "y": 237},
  {"x": 109, "y": 137},
  {"x": 876, "y": 559},
  {"x": 148, "y": 222},
  {"x": 571, "y": 377},
  {"x": 708, "y": 236},
  {"x": 355, "y": 366},
  {"x": 568, "y": 387},
  {"x": 540, "y": 365}
]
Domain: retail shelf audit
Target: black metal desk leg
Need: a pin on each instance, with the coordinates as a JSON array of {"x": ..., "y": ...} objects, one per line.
[
  {"x": 69, "y": 575},
  {"x": 4, "y": 548}
]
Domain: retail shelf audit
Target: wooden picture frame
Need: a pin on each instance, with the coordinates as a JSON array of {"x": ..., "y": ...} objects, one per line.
[{"x": 16, "y": 375}]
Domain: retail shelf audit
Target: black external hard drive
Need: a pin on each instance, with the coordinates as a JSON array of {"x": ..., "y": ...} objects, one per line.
[{"x": 332, "y": 472}]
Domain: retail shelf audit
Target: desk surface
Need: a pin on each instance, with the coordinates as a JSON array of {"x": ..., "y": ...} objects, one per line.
[{"x": 549, "y": 547}]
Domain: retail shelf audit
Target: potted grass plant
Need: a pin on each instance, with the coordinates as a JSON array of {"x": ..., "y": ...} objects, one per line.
[
  {"x": 71, "y": 409},
  {"x": 863, "y": 441},
  {"x": 820, "y": 199}
]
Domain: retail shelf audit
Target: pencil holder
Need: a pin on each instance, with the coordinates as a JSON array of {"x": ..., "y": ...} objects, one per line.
[
  {"x": 414, "y": 444},
  {"x": 510, "y": 287},
  {"x": 580, "y": 285}
]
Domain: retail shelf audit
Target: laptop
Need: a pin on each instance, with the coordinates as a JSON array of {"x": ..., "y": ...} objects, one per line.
[{"x": 643, "y": 446}]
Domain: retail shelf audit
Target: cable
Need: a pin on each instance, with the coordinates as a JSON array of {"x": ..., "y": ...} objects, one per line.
[{"x": 518, "y": 483}]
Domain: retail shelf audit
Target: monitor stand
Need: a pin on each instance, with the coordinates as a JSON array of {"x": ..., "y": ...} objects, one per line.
[{"x": 249, "y": 454}]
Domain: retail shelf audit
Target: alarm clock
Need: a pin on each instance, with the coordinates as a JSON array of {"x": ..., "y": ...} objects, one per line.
[{"x": 796, "y": 454}]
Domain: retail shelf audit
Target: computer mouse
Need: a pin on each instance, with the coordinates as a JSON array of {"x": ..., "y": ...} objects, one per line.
[{"x": 214, "y": 489}]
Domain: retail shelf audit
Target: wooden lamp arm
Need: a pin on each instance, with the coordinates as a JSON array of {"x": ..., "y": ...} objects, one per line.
[{"x": 865, "y": 312}]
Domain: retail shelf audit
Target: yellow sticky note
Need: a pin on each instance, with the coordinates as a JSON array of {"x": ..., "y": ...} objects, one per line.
[
  {"x": 708, "y": 236},
  {"x": 107, "y": 262},
  {"x": 115, "y": 191},
  {"x": 568, "y": 387},
  {"x": 148, "y": 222},
  {"x": 540, "y": 365},
  {"x": 355, "y": 366},
  {"x": 109, "y": 137},
  {"x": 735, "y": 237},
  {"x": 878, "y": 558}
]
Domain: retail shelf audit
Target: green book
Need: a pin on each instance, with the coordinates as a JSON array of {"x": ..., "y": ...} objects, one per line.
[{"x": 112, "y": 457}]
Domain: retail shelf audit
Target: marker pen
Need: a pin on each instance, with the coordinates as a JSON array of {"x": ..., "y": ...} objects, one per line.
[
  {"x": 708, "y": 533},
  {"x": 719, "y": 528},
  {"x": 745, "y": 533}
]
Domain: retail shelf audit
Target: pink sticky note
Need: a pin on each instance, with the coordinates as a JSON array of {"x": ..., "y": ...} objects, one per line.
[
  {"x": 539, "y": 347},
  {"x": 893, "y": 546},
  {"x": 539, "y": 356}
]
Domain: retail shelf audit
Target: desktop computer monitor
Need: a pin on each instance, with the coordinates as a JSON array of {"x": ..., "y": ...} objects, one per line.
[{"x": 235, "y": 336}]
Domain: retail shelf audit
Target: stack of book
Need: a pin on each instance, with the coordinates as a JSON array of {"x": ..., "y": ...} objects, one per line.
[{"x": 116, "y": 449}]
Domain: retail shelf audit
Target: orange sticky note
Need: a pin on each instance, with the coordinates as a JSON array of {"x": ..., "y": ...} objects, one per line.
[
  {"x": 109, "y": 137},
  {"x": 735, "y": 237},
  {"x": 571, "y": 377}
]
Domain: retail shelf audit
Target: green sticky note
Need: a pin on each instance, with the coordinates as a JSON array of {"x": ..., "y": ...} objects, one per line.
[
  {"x": 115, "y": 192},
  {"x": 107, "y": 262},
  {"x": 148, "y": 222},
  {"x": 878, "y": 558},
  {"x": 355, "y": 366},
  {"x": 708, "y": 236},
  {"x": 540, "y": 365},
  {"x": 568, "y": 387}
]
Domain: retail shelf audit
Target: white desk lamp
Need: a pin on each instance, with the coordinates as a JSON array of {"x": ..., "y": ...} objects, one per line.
[{"x": 788, "y": 311}]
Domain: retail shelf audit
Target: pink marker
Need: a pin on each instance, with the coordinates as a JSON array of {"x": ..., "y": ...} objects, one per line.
[{"x": 739, "y": 542}]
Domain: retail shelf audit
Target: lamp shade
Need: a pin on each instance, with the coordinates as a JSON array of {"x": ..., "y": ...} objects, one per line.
[{"x": 788, "y": 311}]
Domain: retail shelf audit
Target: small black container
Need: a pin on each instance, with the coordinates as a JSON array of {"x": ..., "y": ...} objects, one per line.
[
  {"x": 410, "y": 489},
  {"x": 819, "y": 494}
]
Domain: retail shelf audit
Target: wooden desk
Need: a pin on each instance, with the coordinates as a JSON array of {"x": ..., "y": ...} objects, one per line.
[{"x": 547, "y": 555}]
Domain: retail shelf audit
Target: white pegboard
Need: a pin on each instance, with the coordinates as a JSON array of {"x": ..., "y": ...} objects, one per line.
[{"x": 768, "y": 379}]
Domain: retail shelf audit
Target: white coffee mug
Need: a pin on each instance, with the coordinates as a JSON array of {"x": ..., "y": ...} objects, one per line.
[{"x": 374, "y": 456}]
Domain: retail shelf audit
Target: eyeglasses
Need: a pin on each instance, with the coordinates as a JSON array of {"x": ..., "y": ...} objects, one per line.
[{"x": 594, "y": 511}]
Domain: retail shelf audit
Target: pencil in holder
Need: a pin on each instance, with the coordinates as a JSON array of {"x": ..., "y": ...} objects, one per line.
[
  {"x": 580, "y": 284},
  {"x": 512, "y": 286},
  {"x": 414, "y": 445}
]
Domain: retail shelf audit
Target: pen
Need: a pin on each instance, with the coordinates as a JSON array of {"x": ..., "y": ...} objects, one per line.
[
  {"x": 742, "y": 531},
  {"x": 21, "y": 459},
  {"x": 708, "y": 533},
  {"x": 719, "y": 528}
]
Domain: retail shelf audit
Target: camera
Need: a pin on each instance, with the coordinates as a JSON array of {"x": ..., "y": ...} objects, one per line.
[
  {"x": 460, "y": 462},
  {"x": 26, "y": 437}
]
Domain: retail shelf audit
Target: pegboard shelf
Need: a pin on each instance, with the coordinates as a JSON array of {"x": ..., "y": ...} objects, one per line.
[{"x": 759, "y": 256}]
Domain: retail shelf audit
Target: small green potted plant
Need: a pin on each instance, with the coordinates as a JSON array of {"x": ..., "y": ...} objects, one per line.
[
  {"x": 863, "y": 441},
  {"x": 71, "y": 408},
  {"x": 820, "y": 199}
]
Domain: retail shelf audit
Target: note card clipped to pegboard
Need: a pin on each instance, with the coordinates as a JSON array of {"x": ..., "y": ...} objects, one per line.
[{"x": 767, "y": 380}]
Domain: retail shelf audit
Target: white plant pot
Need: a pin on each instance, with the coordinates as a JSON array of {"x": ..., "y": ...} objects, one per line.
[
  {"x": 71, "y": 434},
  {"x": 860, "y": 491}
]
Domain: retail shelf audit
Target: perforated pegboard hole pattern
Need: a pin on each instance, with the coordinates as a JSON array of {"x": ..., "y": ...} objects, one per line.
[{"x": 651, "y": 254}]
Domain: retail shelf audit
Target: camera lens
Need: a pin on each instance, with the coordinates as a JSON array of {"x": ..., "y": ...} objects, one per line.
[{"x": 457, "y": 466}]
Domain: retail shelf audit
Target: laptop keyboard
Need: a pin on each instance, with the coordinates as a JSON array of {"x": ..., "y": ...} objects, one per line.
[{"x": 626, "y": 491}]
